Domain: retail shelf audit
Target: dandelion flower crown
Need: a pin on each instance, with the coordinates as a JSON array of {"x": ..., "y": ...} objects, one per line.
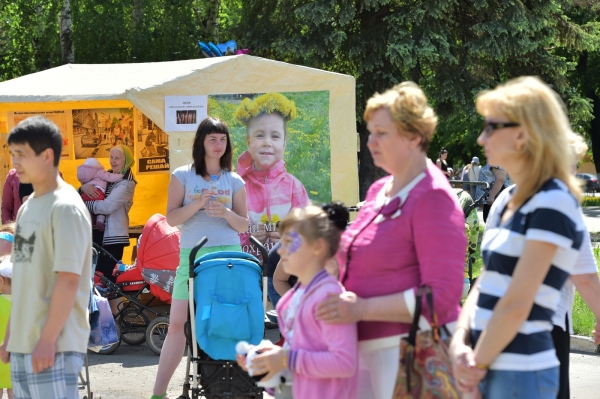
[{"x": 266, "y": 104}]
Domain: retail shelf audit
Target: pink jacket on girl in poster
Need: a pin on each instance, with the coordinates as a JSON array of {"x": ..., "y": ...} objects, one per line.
[
  {"x": 270, "y": 195},
  {"x": 323, "y": 357}
]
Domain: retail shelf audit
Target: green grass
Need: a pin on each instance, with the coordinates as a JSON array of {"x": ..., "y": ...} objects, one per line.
[
  {"x": 307, "y": 153},
  {"x": 583, "y": 318}
]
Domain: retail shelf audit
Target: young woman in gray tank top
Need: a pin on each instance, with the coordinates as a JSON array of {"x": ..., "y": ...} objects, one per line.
[{"x": 190, "y": 207}]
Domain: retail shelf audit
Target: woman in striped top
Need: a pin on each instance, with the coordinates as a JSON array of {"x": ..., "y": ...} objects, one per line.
[{"x": 503, "y": 344}]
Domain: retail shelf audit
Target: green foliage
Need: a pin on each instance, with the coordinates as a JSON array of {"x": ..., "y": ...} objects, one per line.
[
  {"x": 590, "y": 201},
  {"x": 453, "y": 49},
  {"x": 29, "y": 37},
  {"x": 108, "y": 31},
  {"x": 307, "y": 153}
]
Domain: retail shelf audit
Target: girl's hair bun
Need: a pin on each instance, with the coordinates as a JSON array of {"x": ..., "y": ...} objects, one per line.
[{"x": 337, "y": 213}]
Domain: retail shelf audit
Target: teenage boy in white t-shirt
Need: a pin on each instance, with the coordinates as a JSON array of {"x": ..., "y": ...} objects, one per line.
[{"x": 48, "y": 328}]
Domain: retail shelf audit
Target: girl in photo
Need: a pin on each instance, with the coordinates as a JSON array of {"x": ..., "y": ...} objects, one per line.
[{"x": 272, "y": 191}]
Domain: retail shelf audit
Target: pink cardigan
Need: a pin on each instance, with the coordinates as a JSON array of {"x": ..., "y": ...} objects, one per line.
[
  {"x": 10, "y": 197},
  {"x": 424, "y": 245},
  {"x": 323, "y": 357}
]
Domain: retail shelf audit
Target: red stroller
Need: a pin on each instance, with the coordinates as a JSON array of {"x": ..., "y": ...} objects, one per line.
[{"x": 154, "y": 272}]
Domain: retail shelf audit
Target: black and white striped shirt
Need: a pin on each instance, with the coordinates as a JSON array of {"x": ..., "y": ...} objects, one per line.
[{"x": 551, "y": 215}]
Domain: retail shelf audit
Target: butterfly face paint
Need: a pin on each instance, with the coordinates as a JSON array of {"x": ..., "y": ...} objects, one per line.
[{"x": 295, "y": 242}]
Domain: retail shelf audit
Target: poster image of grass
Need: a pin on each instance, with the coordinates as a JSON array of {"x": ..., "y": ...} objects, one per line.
[
  {"x": 281, "y": 149},
  {"x": 96, "y": 131}
]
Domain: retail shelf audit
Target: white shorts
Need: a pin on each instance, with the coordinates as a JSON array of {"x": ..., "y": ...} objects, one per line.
[{"x": 378, "y": 361}]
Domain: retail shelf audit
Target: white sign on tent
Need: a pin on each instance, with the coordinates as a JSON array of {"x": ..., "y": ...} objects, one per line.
[{"x": 184, "y": 113}]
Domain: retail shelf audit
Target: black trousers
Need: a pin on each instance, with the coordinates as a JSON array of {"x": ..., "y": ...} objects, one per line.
[
  {"x": 105, "y": 264},
  {"x": 486, "y": 207},
  {"x": 562, "y": 345}
]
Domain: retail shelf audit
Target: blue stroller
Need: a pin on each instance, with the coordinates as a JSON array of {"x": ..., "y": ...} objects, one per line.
[{"x": 227, "y": 300}]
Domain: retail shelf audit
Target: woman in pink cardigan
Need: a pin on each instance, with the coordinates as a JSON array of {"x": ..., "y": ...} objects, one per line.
[{"x": 409, "y": 233}]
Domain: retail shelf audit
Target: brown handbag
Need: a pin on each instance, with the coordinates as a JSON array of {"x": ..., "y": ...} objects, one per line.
[{"x": 425, "y": 370}]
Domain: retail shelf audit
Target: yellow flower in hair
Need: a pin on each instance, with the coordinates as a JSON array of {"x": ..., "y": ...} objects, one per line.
[{"x": 266, "y": 104}]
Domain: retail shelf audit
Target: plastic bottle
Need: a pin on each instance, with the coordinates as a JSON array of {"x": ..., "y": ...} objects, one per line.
[
  {"x": 213, "y": 186},
  {"x": 122, "y": 266}
]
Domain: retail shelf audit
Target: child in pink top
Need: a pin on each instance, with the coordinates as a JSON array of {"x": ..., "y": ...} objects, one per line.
[
  {"x": 92, "y": 172},
  {"x": 271, "y": 190},
  {"x": 321, "y": 356}
]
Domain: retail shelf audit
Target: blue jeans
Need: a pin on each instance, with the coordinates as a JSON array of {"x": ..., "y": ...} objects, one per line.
[
  {"x": 274, "y": 296},
  {"x": 507, "y": 384}
]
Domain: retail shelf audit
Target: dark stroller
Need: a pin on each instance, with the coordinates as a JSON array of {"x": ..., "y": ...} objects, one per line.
[{"x": 226, "y": 306}]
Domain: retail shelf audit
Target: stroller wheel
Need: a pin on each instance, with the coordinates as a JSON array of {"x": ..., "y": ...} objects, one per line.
[
  {"x": 108, "y": 349},
  {"x": 133, "y": 326},
  {"x": 156, "y": 334}
]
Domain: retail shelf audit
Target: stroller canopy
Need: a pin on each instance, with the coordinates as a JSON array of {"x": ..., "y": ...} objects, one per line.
[{"x": 158, "y": 256}]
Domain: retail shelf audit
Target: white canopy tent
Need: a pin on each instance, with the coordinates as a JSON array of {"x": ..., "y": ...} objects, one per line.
[{"x": 145, "y": 85}]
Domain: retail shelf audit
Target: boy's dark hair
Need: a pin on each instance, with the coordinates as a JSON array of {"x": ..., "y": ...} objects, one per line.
[
  {"x": 208, "y": 126},
  {"x": 40, "y": 133}
]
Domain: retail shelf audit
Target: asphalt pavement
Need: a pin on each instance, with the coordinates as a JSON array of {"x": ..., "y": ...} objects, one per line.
[{"x": 129, "y": 373}]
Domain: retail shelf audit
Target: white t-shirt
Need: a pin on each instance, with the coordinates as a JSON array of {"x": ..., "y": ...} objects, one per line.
[
  {"x": 585, "y": 264},
  {"x": 53, "y": 234},
  {"x": 217, "y": 230}
]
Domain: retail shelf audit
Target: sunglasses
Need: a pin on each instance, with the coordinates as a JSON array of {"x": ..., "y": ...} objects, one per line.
[{"x": 489, "y": 127}]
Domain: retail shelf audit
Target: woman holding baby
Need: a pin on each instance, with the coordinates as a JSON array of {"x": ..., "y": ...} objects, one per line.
[{"x": 118, "y": 200}]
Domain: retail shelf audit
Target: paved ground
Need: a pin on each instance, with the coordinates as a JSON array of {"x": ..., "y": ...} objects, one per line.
[
  {"x": 129, "y": 374},
  {"x": 592, "y": 219}
]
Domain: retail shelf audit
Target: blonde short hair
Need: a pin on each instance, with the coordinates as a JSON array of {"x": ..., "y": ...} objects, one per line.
[
  {"x": 541, "y": 113},
  {"x": 409, "y": 108}
]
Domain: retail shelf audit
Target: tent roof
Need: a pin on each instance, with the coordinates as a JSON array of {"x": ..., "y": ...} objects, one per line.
[{"x": 80, "y": 82}]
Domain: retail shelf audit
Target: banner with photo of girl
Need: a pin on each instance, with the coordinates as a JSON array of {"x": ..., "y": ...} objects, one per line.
[{"x": 281, "y": 148}]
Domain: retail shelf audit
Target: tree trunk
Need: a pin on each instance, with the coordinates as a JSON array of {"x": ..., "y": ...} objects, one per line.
[
  {"x": 368, "y": 172},
  {"x": 66, "y": 41},
  {"x": 137, "y": 12},
  {"x": 212, "y": 19},
  {"x": 595, "y": 129}
]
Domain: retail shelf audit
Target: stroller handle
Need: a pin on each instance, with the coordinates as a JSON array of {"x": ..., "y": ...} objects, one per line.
[
  {"x": 195, "y": 250},
  {"x": 263, "y": 252},
  {"x": 104, "y": 252}
]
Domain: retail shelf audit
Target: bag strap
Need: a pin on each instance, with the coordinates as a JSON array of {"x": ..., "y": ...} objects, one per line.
[{"x": 414, "y": 328}]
